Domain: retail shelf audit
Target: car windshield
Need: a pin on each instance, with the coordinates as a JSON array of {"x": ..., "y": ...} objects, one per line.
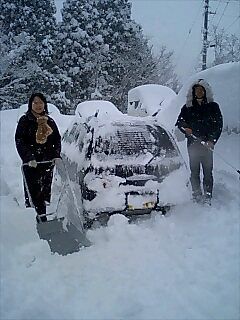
[{"x": 133, "y": 140}]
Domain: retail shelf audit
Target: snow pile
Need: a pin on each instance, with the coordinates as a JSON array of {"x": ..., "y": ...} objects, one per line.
[{"x": 147, "y": 99}]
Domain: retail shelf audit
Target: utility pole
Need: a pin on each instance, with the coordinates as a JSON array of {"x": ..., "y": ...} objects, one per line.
[{"x": 205, "y": 36}]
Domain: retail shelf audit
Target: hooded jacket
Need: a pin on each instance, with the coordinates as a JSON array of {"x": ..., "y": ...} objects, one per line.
[
  {"x": 205, "y": 120},
  {"x": 26, "y": 144}
]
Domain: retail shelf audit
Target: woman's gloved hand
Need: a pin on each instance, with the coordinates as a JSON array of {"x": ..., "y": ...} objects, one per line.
[{"x": 32, "y": 164}]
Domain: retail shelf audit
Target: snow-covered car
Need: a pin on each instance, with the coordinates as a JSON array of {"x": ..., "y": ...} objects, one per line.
[
  {"x": 148, "y": 99},
  {"x": 123, "y": 164}
]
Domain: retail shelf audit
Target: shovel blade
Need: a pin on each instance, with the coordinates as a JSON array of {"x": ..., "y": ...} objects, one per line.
[{"x": 62, "y": 239}]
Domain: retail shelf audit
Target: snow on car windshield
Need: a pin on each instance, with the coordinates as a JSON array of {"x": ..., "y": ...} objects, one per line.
[
  {"x": 132, "y": 140},
  {"x": 126, "y": 140},
  {"x": 135, "y": 148}
]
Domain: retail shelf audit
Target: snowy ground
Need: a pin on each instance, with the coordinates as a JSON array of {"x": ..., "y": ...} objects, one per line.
[{"x": 184, "y": 266}]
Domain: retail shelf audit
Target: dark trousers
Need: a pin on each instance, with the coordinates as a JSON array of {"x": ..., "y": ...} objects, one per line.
[
  {"x": 37, "y": 186},
  {"x": 200, "y": 156}
]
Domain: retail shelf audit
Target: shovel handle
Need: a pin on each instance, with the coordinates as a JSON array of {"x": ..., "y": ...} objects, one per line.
[
  {"x": 40, "y": 162},
  {"x": 197, "y": 139},
  {"x": 211, "y": 149}
]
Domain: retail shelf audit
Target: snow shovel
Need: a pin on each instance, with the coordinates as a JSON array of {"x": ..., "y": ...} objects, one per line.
[
  {"x": 63, "y": 235},
  {"x": 62, "y": 239}
]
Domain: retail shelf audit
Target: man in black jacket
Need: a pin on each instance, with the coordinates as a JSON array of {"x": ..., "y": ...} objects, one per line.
[{"x": 201, "y": 121}]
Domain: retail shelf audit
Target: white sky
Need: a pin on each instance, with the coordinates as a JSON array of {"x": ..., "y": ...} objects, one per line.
[{"x": 178, "y": 23}]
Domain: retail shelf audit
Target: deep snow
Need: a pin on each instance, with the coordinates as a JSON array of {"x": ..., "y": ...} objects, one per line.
[{"x": 184, "y": 266}]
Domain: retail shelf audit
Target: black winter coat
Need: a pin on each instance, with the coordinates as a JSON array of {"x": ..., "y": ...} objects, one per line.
[
  {"x": 25, "y": 139},
  {"x": 205, "y": 121}
]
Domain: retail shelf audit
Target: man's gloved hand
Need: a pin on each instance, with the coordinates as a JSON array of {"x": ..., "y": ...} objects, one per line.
[
  {"x": 32, "y": 164},
  {"x": 209, "y": 144},
  {"x": 188, "y": 131}
]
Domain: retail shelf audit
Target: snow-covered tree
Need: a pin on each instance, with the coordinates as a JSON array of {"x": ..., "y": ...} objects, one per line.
[
  {"x": 136, "y": 66},
  {"x": 130, "y": 61},
  {"x": 166, "y": 72},
  {"x": 28, "y": 28},
  {"x": 77, "y": 47},
  {"x": 226, "y": 46},
  {"x": 10, "y": 55},
  {"x": 103, "y": 50}
]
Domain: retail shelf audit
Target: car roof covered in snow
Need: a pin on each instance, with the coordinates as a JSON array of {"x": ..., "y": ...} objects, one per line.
[
  {"x": 88, "y": 109},
  {"x": 107, "y": 120},
  {"x": 147, "y": 99}
]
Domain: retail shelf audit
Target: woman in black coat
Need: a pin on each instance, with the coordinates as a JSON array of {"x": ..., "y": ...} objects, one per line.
[{"x": 37, "y": 139}]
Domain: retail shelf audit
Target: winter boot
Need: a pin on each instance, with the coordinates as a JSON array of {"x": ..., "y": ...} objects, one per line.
[
  {"x": 207, "y": 198},
  {"x": 197, "y": 197}
]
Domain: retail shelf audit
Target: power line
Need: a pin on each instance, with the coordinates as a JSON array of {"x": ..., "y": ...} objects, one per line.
[
  {"x": 189, "y": 32},
  {"x": 232, "y": 23},
  {"x": 222, "y": 14},
  {"x": 216, "y": 10}
]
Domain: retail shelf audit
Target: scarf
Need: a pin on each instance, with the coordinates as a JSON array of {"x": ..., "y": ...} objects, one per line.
[{"x": 43, "y": 130}]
